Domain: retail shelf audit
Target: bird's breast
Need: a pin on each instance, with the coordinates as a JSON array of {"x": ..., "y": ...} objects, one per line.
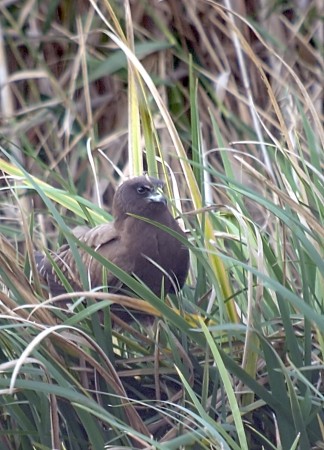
[{"x": 158, "y": 257}]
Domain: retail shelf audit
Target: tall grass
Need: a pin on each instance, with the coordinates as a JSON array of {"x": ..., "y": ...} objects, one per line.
[{"x": 226, "y": 107}]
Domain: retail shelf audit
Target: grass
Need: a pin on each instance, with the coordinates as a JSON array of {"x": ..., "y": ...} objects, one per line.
[{"x": 227, "y": 109}]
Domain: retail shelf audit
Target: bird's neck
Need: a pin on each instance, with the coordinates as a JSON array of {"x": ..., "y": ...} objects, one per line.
[{"x": 135, "y": 220}]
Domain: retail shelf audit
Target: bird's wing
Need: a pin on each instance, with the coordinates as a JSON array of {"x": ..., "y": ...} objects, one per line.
[
  {"x": 80, "y": 231},
  {"x": 100, "y": 235},
  {"x": 105, "y": 240}
]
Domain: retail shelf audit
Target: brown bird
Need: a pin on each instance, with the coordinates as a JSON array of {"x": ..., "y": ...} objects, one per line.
[{"x": 140, "y": 248}]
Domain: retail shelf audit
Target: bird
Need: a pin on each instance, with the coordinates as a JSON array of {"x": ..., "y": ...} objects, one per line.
[{"x": 140, "y": 248}]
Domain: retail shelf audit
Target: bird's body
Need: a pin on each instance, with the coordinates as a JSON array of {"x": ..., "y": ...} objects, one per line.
[{"x": 140, "y": 248}]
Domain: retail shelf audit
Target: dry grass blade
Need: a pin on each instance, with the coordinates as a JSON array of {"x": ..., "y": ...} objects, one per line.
[{"x": 18, "y": 282}]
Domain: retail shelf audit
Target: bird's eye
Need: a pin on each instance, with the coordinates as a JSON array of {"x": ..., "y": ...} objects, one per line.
[{"x": 142, "y": 189}]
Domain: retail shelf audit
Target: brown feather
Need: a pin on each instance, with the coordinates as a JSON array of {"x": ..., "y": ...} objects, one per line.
[{"x": 139, "y": 248}]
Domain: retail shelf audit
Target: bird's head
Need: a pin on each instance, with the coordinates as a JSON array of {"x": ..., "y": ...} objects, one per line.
[{"x": 142, "y": 196}]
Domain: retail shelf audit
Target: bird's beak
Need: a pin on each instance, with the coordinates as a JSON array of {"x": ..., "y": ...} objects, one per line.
[{"x": 156, "y": 197}]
